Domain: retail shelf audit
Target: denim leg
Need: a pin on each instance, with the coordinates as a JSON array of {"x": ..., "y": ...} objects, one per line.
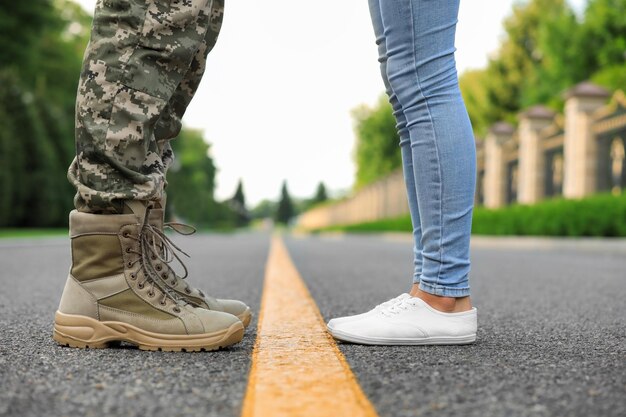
[
  {"x": 405, "y": 142},
  {"x": 421, "y": 69}
]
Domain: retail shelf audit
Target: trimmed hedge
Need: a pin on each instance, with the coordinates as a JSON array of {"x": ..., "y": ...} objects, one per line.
[{"x": 600, "y": 215}]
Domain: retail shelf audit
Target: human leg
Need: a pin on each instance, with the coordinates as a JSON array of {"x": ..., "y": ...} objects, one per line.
[
  {"x": 422, "y": 73},
  {"x": 137, "y": 58},
  {"x": 405, "y": 141}
]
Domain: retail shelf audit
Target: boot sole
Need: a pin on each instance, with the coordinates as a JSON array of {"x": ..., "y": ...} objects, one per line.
[
  {"x": 85, "y": 332},
  {"x": 245, "y": 317}
]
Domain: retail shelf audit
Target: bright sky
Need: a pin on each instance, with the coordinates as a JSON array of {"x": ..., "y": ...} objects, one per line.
[{"x": 276, "y": 97}]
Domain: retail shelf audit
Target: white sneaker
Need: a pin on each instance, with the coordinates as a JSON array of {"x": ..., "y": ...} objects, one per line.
[
  {"x": 334, "y": 322},
  {"x": 409, "y": 321}
]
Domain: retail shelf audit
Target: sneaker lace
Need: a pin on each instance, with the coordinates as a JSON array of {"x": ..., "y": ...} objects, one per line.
[
  {"x": 397, "y": 307},
  {"x": 391, "y": 302}
]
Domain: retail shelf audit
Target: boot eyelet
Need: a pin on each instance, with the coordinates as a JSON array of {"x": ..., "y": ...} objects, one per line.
[
  {"x": 158, "y": 267},
  {"x": 187, "y": 290},
  {"x": 133, "y": 276},
  {"x": 162, "y": 303},
  {"x": 150, "y": 294},
  {"x": 164, "y": 275},
  {"x": 173, "y": 282},
  {"x": 127, "y": 250},
  {"x": 129, "y": 264},
  {"x": 177, "y": 309},
  {"x": 125, "y": 234},
  {"x": 140, "y": 285}
]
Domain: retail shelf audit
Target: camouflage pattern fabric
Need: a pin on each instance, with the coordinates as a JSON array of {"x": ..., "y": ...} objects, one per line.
[{"x": 143, "y": 64}]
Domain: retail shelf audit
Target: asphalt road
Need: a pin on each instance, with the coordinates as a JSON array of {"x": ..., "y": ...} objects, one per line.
[
  {"x": 551, "y": 341},
  {"x": 39, "y": 378},
  {"x": 552, "y": 328}
]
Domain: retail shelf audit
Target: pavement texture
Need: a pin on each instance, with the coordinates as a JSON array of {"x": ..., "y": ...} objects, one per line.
[
  {"x": 551, "y": 342},
  {"x": 552, "y": 327},
  {"x": 39, "y": 378}
]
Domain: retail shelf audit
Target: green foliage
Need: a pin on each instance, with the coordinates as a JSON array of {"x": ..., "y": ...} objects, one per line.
[
  {"x": 191, "y": 183},
  {"x": 605, "y": 31},
  {"x": 31, "y": 172},
  {"x": 21, "y": 27},
  {"x": 546, "y": 51},
  {"x": 41, "y": 46},
  {"x": 377, "y": 148},
  {"x": 8, "y": 164},
  {"x": 602, "y": 215},
  {"x": 397, "y": 224},
  {"x": 285, "y": 210},
  {"x": 265, "y": 209},
  {"x": 31, "y": 233}
]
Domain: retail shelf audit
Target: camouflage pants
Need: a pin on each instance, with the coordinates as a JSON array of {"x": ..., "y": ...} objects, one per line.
[{"x": 143, "y": 64}]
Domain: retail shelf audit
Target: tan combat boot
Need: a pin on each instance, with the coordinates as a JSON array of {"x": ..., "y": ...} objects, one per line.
[
  {"x": 177, "y": 283},
  {"x": 114, "y": 293}
]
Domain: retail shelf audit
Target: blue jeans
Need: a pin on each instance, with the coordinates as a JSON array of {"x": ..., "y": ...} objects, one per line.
[{"x": 415, "y": 41}]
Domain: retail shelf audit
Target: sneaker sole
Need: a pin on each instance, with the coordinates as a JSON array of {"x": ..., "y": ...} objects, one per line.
[
  {"x": 245, "y": 317},
  {"x": 85, "y": 332},
  {"x": 447, "y": 340}
]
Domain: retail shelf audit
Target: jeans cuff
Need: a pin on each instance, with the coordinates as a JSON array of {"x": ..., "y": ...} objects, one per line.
[{"x": 444, "y": 291}]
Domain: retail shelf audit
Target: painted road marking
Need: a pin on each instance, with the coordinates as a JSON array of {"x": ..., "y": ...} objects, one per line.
[{"x": 297, "y": 369}]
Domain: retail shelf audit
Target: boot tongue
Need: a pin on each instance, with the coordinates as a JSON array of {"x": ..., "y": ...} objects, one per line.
[
  {"x": 138, "y": 208},
  {"x": 155, "y": 218}
]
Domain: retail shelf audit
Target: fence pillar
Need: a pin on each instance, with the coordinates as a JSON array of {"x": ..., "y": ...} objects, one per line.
[
  {"x": 531, "y": 156},
  {"x": 494, "y": 186},
  {"x": 580, "y": 148}
]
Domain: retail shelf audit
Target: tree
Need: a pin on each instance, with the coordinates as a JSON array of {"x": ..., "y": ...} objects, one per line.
[
  {"x": 191, "y": 181},
  {"x": 320, "y": 194},
  {"x": 9, "y": 178},
  {"x": 547, "y": 50},
  {"x": 285, "y": 210},
  {"x": 604, "y": 30},
  {"x": 377, "y": 147},
  {"x": 238, "y": 205},
  {"x": 41, "y": 47},
  {"x": 265, "y": 209}
]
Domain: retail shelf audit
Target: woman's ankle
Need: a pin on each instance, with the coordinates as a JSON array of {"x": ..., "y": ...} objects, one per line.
[{"x": 443, "y": 304}]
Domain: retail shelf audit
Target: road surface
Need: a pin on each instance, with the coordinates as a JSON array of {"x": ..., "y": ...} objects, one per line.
[{"x": 551, "y": 341}]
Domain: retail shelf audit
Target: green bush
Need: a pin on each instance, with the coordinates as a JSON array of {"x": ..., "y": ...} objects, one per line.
[{"x": 599, "y": 215}]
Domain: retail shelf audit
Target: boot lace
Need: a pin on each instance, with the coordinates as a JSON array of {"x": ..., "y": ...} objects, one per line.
[
  {"x": 163, "y": 249},
  {"x": 155, "y": 245},
  {"x": 185, "y": 230}
]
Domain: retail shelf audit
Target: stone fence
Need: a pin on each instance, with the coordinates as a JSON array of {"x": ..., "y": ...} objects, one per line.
[{"x": 574, "y": 154}]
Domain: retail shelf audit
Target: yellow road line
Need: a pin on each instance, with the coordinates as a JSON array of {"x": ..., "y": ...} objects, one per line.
[{"x": 297, "y": 369}]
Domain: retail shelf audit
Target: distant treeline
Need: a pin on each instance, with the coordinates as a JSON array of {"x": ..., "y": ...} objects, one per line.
[{"x": 546, "y": 49}]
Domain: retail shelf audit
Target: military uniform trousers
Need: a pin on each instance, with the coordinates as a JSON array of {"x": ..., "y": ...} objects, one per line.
[{"x": 143, "y": 64}]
